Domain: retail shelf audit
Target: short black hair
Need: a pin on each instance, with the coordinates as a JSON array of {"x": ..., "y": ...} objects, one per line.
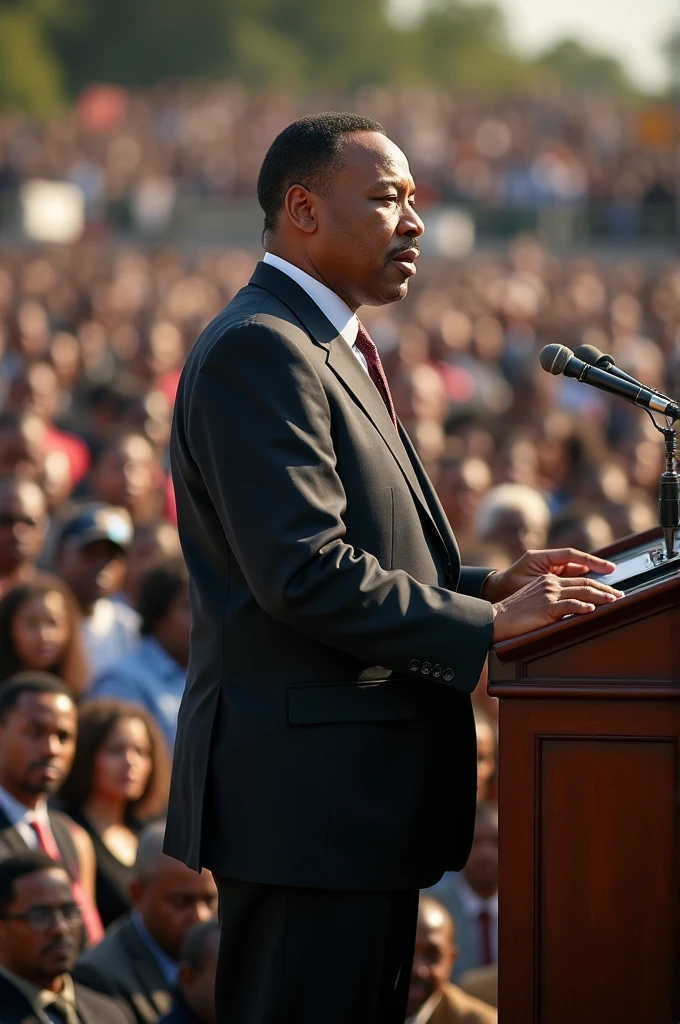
[
  {"x": 195, "y": 943},
  {"x": 30, "y": 682},
  {"x": 158, "y": 588},
  {"x": 306, "y": 153},
  {"x": 16, "y": 867}
]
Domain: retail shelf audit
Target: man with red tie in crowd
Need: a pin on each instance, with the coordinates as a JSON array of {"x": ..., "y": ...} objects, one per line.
[{"x": 38, "y": 728}]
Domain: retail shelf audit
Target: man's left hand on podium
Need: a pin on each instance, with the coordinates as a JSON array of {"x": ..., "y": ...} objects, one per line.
[{"x": 565, "y": 562}]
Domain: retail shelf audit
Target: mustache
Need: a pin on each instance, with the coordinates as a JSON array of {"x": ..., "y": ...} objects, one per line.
[{"x": 411, "y": 246}]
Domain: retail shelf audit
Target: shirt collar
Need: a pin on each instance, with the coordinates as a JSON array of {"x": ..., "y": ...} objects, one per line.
[
  {"x": 330, "y": 304},
  {"x": 41, "y": 998},
  {"x": 164, "y": 664},
  {"x": 426, "y": 1010},
  {"x": 473, "y": 903},
  {"x": 17, "y": 812},
  {"x": 166, "y": 965}
]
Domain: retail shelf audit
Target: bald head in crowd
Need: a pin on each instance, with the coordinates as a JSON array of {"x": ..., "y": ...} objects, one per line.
[{"x": 170, "y": 897}]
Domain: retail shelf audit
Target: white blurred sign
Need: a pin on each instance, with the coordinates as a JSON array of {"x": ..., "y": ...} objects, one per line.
[
  {"x": 449, "y": 232},
  {"x": 52, "y": 211}
]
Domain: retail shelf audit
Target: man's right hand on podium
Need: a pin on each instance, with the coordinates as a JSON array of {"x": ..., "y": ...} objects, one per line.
[{"x": 546, "y": 600}]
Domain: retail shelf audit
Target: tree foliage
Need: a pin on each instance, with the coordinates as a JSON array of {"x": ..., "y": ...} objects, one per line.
[{"x": 50, "y": 49}]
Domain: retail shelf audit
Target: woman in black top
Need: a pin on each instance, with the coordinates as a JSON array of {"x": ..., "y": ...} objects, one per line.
[{"x": 118, "y": 783}]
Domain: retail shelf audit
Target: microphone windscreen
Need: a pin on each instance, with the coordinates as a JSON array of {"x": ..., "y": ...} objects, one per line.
[
  {"x": 554, "y": 358},
  {"x": 588, "y": 353}
]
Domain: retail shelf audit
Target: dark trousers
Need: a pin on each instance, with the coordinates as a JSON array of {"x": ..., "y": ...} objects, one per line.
[{"x": 312, "y": 956}]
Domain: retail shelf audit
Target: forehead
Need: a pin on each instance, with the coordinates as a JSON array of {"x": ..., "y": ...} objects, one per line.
[
  {"x": 45, "y": 706},
  {"x": 433, "y": 926},
  {"x": 53, "y": 886},
  {"x": 22, "y": 496},
  {"x": 372, "y": 158}
]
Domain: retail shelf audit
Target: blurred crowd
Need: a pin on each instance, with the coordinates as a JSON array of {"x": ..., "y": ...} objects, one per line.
[
  {"x": 94, "y": 606},
  {"x": 134, "y": 154}
]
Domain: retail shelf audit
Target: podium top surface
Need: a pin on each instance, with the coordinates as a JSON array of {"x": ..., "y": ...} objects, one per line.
[{"x": 648, "y": 580}]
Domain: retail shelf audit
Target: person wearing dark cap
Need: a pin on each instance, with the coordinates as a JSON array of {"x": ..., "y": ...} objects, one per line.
[
  {"x": 39, "y": 935},
  {"x": 194, "y": 1001},
  {"x": 91, "y": 555}
]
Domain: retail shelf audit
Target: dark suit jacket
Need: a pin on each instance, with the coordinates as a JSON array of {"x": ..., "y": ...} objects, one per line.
[
  {"x": 12, "y": 843},
  {"x": 180, "y": 1013},
  {"x": 123, "y": 966},
  {"x": 325, "y": 736},
  {"x": 93, "y": 1008}
]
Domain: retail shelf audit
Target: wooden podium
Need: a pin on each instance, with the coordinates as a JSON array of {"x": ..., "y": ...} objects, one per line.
[{"x": 589, "y": 810}]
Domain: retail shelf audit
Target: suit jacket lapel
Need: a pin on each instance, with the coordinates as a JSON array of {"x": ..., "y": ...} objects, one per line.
[
  {"x": 9, "y": 837},
  {"x": 344, "y": 364},
  {"x": 433, "y": 503},
  {"x": 145, "y": 967}
]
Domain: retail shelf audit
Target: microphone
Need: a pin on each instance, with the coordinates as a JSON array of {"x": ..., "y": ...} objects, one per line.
[
  {"x": 591, "y": 355},
  {"x": 558, "y": 359}
]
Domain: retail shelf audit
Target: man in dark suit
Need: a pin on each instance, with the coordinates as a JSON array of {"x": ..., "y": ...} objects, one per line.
[
  {"x": 326, "y": 724},
  {"x": 38, "y": 728},
  {"x": 138, "y": 959},
  {"x": 39, "y": 936},
  {"x": 194, "y": 1001}
]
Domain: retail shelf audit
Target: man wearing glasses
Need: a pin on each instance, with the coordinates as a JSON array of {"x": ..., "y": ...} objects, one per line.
[{"x": 40, "y": 927}]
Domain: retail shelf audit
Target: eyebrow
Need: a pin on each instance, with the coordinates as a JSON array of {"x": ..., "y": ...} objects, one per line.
[{"x": 399, "y": 183}]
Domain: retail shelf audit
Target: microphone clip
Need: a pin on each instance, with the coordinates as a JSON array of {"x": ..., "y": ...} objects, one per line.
[{"x": 669, "y": 493}]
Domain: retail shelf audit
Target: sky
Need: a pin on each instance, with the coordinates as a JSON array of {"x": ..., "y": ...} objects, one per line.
[{"x": 628, "y": 29}]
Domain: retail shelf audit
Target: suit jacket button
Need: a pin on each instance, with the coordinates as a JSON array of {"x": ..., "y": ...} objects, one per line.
[
  {"x": 436, "y": 671},
  {"x": 414, "y": 665},
  {"x": 450, "y": 573},
  {"x": 448, "y": 674},
  {"x": 426, "y": 668}
]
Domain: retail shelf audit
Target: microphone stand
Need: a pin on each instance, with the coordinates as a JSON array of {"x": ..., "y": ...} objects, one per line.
[{"x": 669, "y": 492}]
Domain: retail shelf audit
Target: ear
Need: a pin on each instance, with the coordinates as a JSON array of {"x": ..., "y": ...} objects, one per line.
[{"x": 300, "y": 208}]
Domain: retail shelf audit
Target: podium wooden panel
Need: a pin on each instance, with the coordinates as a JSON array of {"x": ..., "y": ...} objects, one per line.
[{"x": 589, "y": 814}]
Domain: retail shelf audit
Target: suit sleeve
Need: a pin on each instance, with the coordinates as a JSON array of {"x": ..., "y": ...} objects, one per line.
[{"x": 258, "y": 427}]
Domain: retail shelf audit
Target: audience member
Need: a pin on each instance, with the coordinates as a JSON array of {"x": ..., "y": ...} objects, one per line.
[
  {"x": 40, "y": 629},
  {"x": 515, "y": 516},
  {"x": 585, "y": 530},
  {"x": 36, "y": 390},
  {"x": 39, "y": 935},
  {"x": 482, "y": 983},
  {"x": 23, "y": 524},
  {"x": 154, "y": 674},
  {"x": 486, "y": 757},
  {"x": 22, "y": 452},
  {"x": 151, "y": 542},
  {"x": 38, "y": 725},
  {"x": 432, "y": 997},
  {"x": 125, "y": 472},
  {"x": 471, "y": 896},
  {"x": 194, "y": 1001},
  {"x": 118, "y": 783},
  {"x": 91, "y": 557},
  {"x": 138, "y": 958}
]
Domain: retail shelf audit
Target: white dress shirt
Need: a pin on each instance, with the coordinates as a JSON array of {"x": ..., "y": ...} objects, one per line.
[
  {"x": 21, "y": 816},
  {"x": 473, "y": 905},
  {"x": 330, "y": 304}
]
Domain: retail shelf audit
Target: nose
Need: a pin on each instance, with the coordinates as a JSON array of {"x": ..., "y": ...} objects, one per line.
[
  {"x": 203, "y": 912},
  {"x": 411, "y": 224}
]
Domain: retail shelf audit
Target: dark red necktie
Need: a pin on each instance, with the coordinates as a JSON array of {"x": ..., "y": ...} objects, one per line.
[
  {"x": 366, "y": 346},
  {"x": 485, "y": 929},
  {"x": 89, "y": 913}
]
